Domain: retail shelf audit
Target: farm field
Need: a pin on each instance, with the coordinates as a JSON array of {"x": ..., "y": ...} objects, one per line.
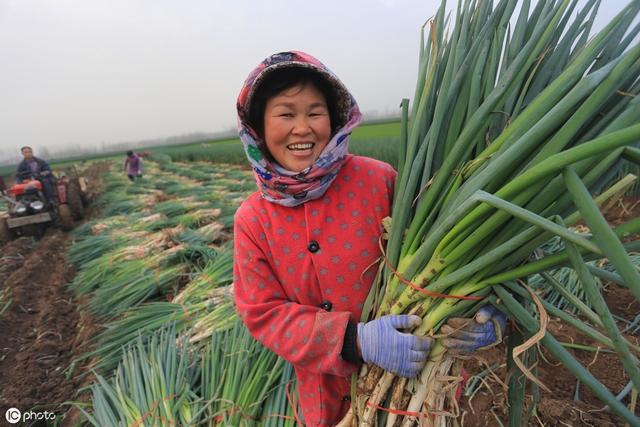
[
  {"x": 148, "y": 278},
  {"x": 512, "y": 229}
]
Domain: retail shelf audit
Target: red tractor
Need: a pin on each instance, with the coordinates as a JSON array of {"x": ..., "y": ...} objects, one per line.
[{"x": 30, "y": 212}]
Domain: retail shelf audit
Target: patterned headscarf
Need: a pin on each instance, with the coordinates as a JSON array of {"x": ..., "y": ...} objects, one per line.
[{"x": 277, "y": 184}]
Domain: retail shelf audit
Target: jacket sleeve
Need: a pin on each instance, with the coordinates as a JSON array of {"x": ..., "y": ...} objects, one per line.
[
  {"x": 306, "y": 336},
  {"x": 126, "y": 163},
  {"x": 44, "y": 166}
]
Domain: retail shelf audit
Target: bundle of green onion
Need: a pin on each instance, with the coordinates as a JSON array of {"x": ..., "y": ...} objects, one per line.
[
  {"x": 508, "y": 133},
  {"x": 238, "y": 374},
  {"x": 202, "y": 307},
  {"x": 162, "y": 380},
  {"x": 154, "y": 385}
]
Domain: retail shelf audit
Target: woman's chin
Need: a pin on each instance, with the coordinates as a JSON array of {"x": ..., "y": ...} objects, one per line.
[
  {"x": 297, "y": 165},
  {"x": 298, "y": 168}
]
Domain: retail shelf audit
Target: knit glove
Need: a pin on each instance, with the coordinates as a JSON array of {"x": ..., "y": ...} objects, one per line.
[
  {"x": 468, "y": 335},
  {"x": 382, "y": 344}
]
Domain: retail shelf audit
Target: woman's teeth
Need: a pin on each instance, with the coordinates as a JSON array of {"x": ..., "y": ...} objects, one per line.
[{"x": 300, "y": 147}]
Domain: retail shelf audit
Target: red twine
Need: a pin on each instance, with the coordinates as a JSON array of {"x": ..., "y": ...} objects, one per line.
[
  {"x": 426, "y": 291},
  {"x": 293, "y": 404},
  {"x": 397, "y": 411},
  {"x": 147, "y": 414},
  {"x": 465, "y": 377}
]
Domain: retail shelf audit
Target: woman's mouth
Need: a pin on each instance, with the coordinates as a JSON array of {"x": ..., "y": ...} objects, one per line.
[{"x": 300, "y": 147}]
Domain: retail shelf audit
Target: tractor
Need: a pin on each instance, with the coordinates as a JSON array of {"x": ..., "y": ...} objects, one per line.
[{"x": 30, "y": 213}]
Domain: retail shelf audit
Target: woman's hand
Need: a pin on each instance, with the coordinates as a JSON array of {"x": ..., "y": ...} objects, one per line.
[
  {"x": 468, "y": 335},
  {"x": 380, "y": 343}
]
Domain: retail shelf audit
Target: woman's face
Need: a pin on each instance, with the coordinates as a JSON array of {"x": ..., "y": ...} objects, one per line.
[{"x": 297, "y": 126}]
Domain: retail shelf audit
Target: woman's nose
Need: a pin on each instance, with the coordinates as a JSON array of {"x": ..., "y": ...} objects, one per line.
[{"x": 301, "y": 126}]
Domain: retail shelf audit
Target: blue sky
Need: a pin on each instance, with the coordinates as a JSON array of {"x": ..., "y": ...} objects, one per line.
[{"x": 89, "y": 72}]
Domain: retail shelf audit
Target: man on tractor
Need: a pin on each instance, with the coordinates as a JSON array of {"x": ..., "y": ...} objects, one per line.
[{"x": 32, "y": 167}]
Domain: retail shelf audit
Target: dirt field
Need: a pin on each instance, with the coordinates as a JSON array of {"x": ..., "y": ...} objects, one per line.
[
  {"x": 40, "y": 329},
  {"x": 559, "y": 407},
  {"x": 43, "y": 330}
]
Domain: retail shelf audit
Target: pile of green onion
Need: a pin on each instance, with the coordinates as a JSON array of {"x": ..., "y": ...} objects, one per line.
[{"x": 516, "y": 119}]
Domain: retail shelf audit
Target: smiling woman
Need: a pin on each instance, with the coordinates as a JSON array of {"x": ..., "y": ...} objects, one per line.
[
  {"x": 303, "y": 241},
  {"x": 306, "y": 245}
]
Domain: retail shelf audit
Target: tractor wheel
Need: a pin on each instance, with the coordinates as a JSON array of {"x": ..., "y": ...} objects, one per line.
[
  {"x": 74, "y": 199},
  {"x": 66, "y": 217},
  {"x": 32, "y": 230},
  {"x": 5, "y": 232}
]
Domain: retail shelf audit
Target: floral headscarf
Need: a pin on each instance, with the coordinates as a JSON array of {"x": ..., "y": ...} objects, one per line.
[{"x": 277, "y": 184}]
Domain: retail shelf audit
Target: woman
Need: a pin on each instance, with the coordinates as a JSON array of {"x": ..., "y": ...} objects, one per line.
[
  {"x": 307, "y": 243},
  {"x": 133, "y": 166}
]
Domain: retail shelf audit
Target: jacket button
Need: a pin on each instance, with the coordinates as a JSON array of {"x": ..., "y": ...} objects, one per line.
[
  {"x": 346, "y": 398},
  {"x": 313, "y": 246},
  {"x": 326, "y": 305}
]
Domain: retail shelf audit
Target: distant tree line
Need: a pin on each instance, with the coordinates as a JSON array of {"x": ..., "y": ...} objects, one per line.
[{"x": 82, "y": 151}]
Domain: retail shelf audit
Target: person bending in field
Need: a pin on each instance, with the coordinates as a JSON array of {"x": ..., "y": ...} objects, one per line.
[
  {"x": 306, "y": 243},
  {"x": 133, "y": 165},
  {"x": 32, "y": 167}
]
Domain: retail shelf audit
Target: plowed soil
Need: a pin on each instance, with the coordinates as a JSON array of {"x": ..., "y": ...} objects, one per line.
[
  {"x": 569, "y": 403},
  {"x": 40, "y": 328},
  {"x": 43, "y": 330}
]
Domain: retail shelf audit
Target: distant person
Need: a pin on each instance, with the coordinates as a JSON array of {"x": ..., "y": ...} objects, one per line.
[
  {"x": 133, "y": 165},
  {"x": 32, "y": 167}
]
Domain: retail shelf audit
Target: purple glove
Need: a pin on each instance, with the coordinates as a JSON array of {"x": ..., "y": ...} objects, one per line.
[
  {"x": 467, "y": 336},
  {"x": 382, "y": 344}
]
